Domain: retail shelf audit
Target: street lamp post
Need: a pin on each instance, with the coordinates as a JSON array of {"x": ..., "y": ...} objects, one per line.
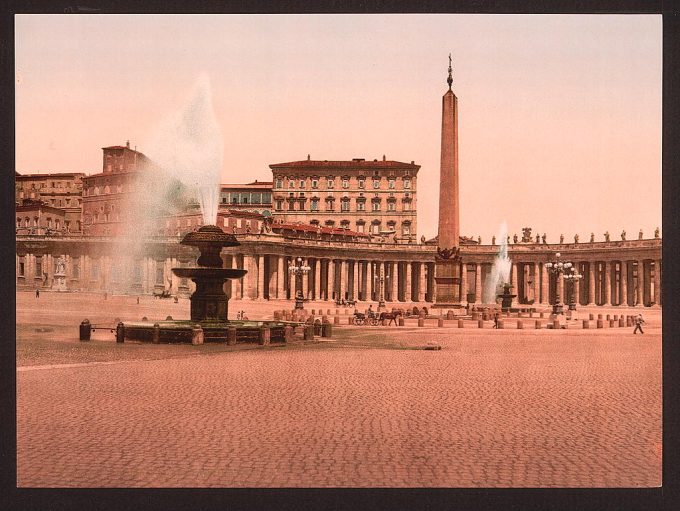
[
  {"x": 559, "y": 269},
  {"x": 297, "y": 270},
  {"x": 572, "y": 277},
  {"x": 381, "y": 301}
]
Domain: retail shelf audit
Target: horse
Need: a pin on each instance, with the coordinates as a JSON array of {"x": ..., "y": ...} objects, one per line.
[{"x": 391, "y": 316}]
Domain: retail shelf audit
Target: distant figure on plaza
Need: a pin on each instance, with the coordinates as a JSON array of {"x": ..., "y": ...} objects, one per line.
[
  {"x": 623, "y": 235},
  {"x": 606, "y": 236},
  {"x": 640, "y": 235},
  {"x": 592, "y": 237},
  {"x": 370, "y": 309},
  {"x": 138, "y": 300},
  {"x": 495, "y": 319},
  {"x": 656, "y": 232},
  {"x": 638, "y": 324},
  {"x": 575, "y": 238},
  {"x": 37, "y": 293},
  {"x": 561, "y": 238}
]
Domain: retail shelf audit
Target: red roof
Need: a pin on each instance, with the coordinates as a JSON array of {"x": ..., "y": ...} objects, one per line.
[{"x": 357, "y": 163}]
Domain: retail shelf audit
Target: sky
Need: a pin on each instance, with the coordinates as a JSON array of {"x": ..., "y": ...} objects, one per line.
[{"x": 559, "y": 115}]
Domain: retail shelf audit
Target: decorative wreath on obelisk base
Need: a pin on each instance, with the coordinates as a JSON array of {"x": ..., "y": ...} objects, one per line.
[{"x": 449, "y": 253}]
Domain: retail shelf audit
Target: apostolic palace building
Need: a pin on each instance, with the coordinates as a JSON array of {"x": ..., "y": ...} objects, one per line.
[{"x": 353, "y": 222}]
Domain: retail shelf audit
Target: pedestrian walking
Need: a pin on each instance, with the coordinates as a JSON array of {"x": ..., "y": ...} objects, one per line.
[
  {"x": 496, "y": 316},
  {"x": 37, "y": 293},
  {"x": 638, "y": 324},
  {"x": 138, "y": 300}
]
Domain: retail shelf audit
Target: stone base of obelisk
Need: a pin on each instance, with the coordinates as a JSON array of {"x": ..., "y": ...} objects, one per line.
[{"x": 447, "y": 278}]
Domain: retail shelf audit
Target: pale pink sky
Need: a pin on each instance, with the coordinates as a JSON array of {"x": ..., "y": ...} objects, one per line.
[{"x": 560, "y": 116}]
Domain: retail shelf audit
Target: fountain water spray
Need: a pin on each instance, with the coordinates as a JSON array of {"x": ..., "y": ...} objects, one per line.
[{"x": 500, "y": 271}]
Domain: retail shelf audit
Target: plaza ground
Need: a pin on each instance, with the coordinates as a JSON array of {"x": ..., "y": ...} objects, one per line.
[{"x": 369, "y": 407}]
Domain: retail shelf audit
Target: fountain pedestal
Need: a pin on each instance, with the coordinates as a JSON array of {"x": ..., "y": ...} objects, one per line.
[{"x": 506, "y": 298}]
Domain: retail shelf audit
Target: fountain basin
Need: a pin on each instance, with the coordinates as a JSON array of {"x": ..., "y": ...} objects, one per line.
[
  {"x": 209, "y": 273},
  {"x": 180, "y": 331}
]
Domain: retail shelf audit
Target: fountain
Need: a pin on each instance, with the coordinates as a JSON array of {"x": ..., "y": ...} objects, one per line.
[
  {"x": 500, "y": 271},
  {"x": 506, "y": 297}
]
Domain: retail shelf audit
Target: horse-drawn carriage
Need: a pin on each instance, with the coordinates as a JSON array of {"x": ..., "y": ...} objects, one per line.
[
  {"x": 375, "y": 318},
  {"x": 162, "y": 294}
]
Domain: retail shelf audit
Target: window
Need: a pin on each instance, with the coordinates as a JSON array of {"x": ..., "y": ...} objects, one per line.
[
  {"x": 344, "y": 224},
  {"x": 330, "y": 183},
  {"x": 361, "y": 226},
  {"x": 279, "y": 183},
  {"x": 137, "y": 272},
  {"x": 302, "y": 183},
  {"x": 224, "y": 200},
  {"x": 314, "y": 223},
  {"x": 94, "y": 270},
  {"x": 376, "y": 205},
  {"x": 291, "y": 184},
  {"x": 18, "y": 222},
  {"x": 391, "y": 183},
  {"x": 406, "y": 228},
  {"x": 329, "y": 223},
  {"x": 344, "y": 205},
  {"x": 375, "y": 228},
  {"x": 407, "y": 205},
  {"x": 407, "y": 183},
  {"x": 345, "y": 183},
  {"x": 362, "y": 182},
  {"x": 391, "y": 206},
  {"x": 361, "y": 205},
  {"x": 38, "y": 267},
  {"x": 376, "y": 183},
  {"x": 315, "y": 183},
  {"x": 315, "y": 204},
  {"x": 22, "y": 268},
  {"x": 279, "y": 205},
  {"x": 75, "y": 268},
  {"x": 244, "y": 200},
  {"x": 159, "y": 273},
  {"x": 392, "y": 225},
  {"x": 329, "y": 204}
]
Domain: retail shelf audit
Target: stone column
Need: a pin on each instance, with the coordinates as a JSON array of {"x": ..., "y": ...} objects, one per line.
[
  {"x": 640, "y": 284},
  {"x": 260, "y": 277},
  {"x": 606, "y": 292},
  {"x": 657, "y": 283},
  {"x": 545, "y": 284},
  {"x": 560, "y": 288},
  {"x": 317, "y": 279},
  {"x": 577, "y": 288},
  {"x": 624, "y": 283},
  {"x": 394, "y": 282},
  {"x": 513, "y": 279},
  {"x": 343, "y": 278},
  {"x": 305, "y": 280},
  {"x": 591, "y": 283},
  {"x": 422, "y": 283},
  {"x": 478, "y": 283},
  {"x": 407, "y": 293},
  {"x": 280, "y": 278},
  {"x": 355, "y": 280},
  {"x": 331, "y": 279},
  {"x": 369, "y": 281},
  {"x": 463, "y": 282}
]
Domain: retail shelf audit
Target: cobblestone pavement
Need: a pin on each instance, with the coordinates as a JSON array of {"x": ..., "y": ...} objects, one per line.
[{"x": 490, "y": 409}]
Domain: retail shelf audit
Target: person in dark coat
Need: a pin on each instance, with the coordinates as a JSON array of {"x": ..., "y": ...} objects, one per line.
[{"x": 638, "y": 324}]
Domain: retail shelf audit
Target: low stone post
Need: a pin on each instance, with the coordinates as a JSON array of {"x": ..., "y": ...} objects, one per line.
[
  {"x": 85, "y": 330},
  {"x": 308, "y": 334},
  {"x": 621, "y": 323},
  {"x": 231, "y": 335},
  {"x": 265, "y": 336},
  {"x": 288, "y": 333},
  {"x": 421, "y": 321},
  {"x": 326, "y": 329},
  {"x": 480, "y": 323},
  {"x": 500, "y": 324},
  {"x": 440, "y": 322},
  {"x": 600, "y": 323},
  {"x": 196, "y": 335},
  {"x": 586, "y": 324},
  {"x": 520, "y": 324},
  {"x": 156, "y": 334},
  {"x": 401, "y": 321},
  {"x": 350, "y": 320},
  {"x": 538, "y": 324},
  {"x": 120, "y": 332},
  {"x": 556, "y": 323},
  {"x": 461, "y": 323}
]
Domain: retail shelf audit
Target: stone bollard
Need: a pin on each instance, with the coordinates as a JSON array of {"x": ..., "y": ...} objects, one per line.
[
  {"x": 480, "y": 323},
  {"x": 520, "y": 324},
  {"x": 326, "y": 329},
  {"x": 266, "y": 336},
  {"x": 556, "y": 324},
  {"x": 500, "y": 324},
  {"x": 85, "y": 330},
  {"x": 591, "y": 317},
  {"x": 600, "y": 323},
  {"x": 336, "y": 320},
  {"x": 156, "y": 334},
  {"x": 440, "y": 322},
  {"x": 288, "y": 334},
  {"x": 611, "y": 323},
  {"x": 308, "y": 334},
  {"x": 196, "y": 335},
  {"x": 350, "y": 320},
  {"x": 461, "y": 323},
  {"x": 231, "y": 335},
  {"x": 120, "y": 332},
  {"x": 621, "y": 322},
  {"x": 144, "y": 318},
  {"x": 629, "y": 321},
  {"x": 538, "y": 324},
  {"x": 401, "y": 321},
  {"x": 421, "y": 321},
  {"x": 586, "y": 324}
]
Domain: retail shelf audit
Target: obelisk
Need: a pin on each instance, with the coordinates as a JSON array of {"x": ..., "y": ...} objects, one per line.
[{"x": 447, "y": 261}]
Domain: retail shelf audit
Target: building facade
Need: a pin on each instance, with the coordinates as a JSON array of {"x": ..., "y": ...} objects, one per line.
[
  {"x": 58, "y": 190},
  {"x": 374, "y": 197},
  {"x": 255, "y": 197}
]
